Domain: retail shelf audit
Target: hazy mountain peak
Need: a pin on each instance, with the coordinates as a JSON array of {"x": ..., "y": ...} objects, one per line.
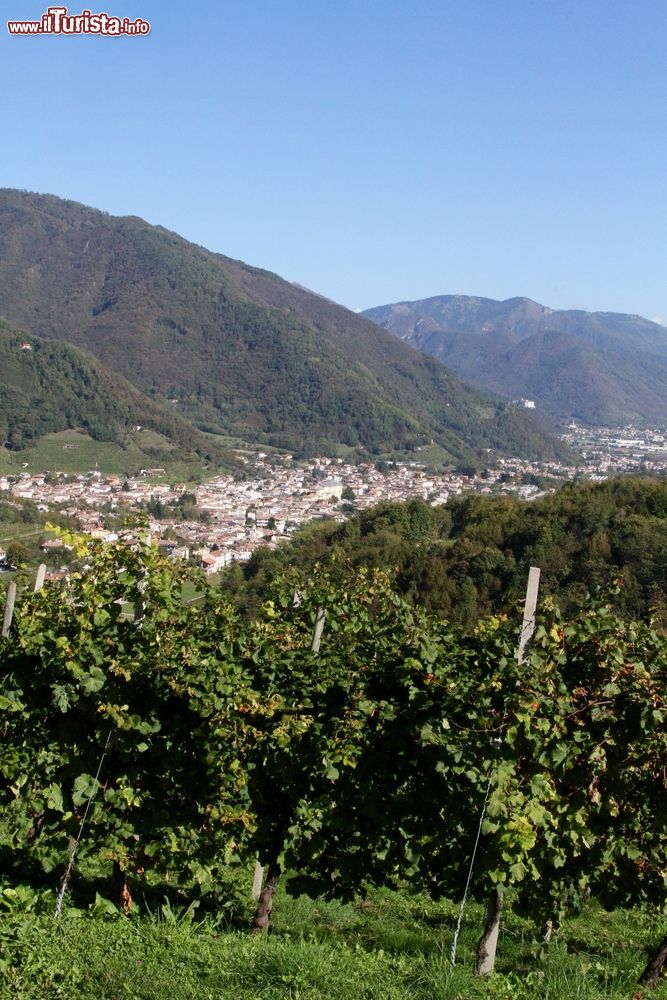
[{"x": 600, "y": 367}]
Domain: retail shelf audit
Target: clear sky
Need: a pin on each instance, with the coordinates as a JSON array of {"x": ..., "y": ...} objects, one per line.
[{"x": 372, "y": 150}]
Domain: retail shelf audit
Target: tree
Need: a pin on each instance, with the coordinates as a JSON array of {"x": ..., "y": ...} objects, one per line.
[{"x": 18, "y": 553}]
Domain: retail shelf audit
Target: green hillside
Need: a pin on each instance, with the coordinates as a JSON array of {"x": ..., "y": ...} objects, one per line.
[
  {"x": 48, "y": 387},
  {"x": 471, "y": 557},
  {"x": 235, "y": 349}
]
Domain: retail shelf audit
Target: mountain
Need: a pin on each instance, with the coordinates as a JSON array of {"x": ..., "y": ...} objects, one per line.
[
  {"x": 47, "y": 386},
  {"x": 601, "y": 368},
  {"x": 235, "y": 349}
]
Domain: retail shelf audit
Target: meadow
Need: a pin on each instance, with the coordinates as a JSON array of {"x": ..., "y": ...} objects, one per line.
[
  {"x": 385, "y": 946},
  {"x": 75, "y": 452}
]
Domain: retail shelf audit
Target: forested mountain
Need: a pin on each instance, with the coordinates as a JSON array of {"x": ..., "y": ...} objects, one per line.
[
  {"x": 601, "y": 368},
  {"x": 471, "y": 557},
  {"x": 235, "y": 349},
  {"x": 48, "y": 386}
]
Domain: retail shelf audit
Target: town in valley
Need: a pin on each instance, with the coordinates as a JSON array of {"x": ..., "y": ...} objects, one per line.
[{"x": 233, "y": 517}]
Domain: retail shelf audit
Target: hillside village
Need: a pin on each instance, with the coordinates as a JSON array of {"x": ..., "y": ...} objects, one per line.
[{"x": 234, "y": 517}]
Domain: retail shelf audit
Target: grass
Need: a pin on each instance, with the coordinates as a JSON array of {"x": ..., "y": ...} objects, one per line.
[
  {"x": 19, "y": 531},
  {"x": 391, "y": 946},
  {"x": 72, "y": 452}
]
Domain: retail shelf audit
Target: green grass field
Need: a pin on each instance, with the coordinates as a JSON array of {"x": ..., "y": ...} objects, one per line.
[
  {"x": 391, "y": 946},
  {"x": 72, "y": 452}
]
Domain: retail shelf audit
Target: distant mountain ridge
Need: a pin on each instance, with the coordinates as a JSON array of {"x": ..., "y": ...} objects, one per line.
[
  {"x": 232, "y": 348},
  {"x": 601, "y": 368}
]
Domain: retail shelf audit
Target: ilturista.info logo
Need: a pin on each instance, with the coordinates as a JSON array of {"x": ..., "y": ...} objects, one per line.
[{"x": 58, "y": 21}]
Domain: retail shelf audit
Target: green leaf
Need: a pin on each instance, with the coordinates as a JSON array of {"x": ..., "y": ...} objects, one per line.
[
  {"x": 54, "y": 798},
  {"x": 84, "y": 786}
]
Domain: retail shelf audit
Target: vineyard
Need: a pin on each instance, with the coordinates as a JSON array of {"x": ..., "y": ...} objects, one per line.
[{"x": 344, "y": 738}]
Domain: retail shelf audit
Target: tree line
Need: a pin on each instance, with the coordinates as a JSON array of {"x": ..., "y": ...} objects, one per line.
[{"x": 470, "y": 558}]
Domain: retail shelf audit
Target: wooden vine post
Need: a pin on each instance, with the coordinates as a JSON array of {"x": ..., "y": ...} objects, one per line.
[
  {"x": 486, "y": 949},
  {"x": 39, "y": 579},
  {"x": 651, "y": 975},
  {"x": 9, "y": 608},
  {"x": 10, "y": 602},
  {"x": 121, "y": 889}
]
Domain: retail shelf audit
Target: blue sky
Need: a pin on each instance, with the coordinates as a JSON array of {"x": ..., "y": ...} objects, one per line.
[{"x": 372, "y": 150}]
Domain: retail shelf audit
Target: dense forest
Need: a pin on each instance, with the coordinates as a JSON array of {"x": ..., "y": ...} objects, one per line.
[
  {"x": 48, "y": 386},
  {"x": 470, "y": 558}
]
